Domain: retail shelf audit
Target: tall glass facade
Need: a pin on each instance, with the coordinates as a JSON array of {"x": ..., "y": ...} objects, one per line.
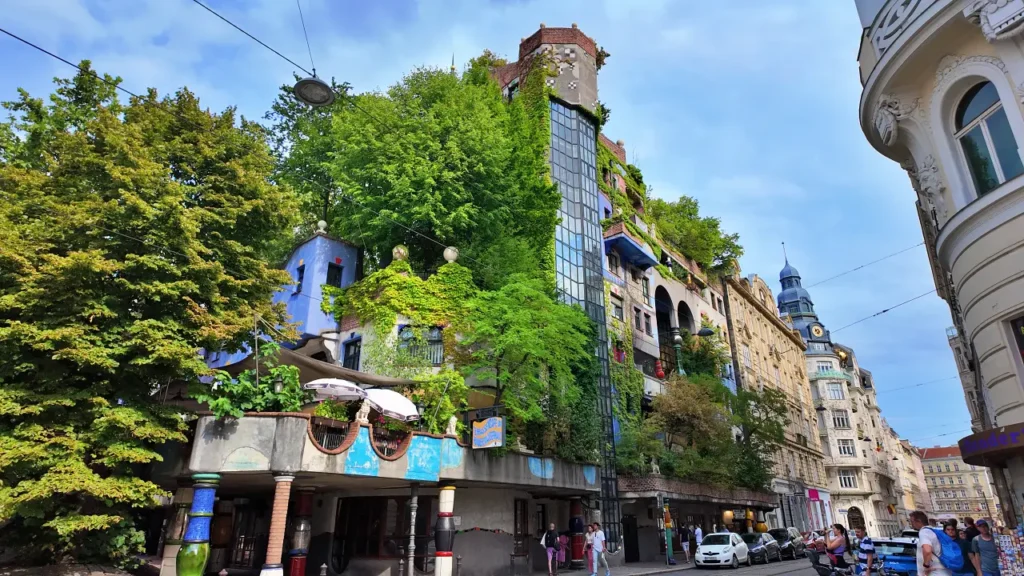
[{"x": 578, "y": 261}]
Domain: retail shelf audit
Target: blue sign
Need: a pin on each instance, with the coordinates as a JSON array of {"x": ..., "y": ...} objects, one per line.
[{"x": 489, "y": 433}]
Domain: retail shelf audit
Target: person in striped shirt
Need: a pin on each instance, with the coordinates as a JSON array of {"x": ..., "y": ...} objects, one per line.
[{"x": 865, "y": 552}]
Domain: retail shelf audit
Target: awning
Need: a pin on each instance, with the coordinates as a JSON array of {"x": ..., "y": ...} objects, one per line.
[
  {"x": 312, "y": 369},
  {"x": 993, "y": 446}
]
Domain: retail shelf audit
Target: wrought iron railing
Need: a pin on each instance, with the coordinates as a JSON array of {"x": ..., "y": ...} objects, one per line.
[
  {"x": 388, "y": 442},
  {"x": 329, "y": 434}
]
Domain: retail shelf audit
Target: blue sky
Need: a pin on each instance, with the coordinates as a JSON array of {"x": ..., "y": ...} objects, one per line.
[{"x": 750, "y": 106}]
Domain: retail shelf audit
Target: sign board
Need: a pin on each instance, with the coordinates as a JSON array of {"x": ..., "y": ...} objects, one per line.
[
  {"x": 842, "y": 511},
  {"x": 489, "y": 433}
]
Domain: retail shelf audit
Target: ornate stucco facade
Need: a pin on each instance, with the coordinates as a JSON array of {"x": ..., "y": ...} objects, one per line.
[
  {"x": 943, "y": 88},
  {"x": 769, "y": 354},
  {"x": 959, "y": 489}
]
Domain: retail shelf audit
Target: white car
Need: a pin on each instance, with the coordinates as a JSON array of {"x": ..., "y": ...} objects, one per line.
[{"x": 722, "y": 550}]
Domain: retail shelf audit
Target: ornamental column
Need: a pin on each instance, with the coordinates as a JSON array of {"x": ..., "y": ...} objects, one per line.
[
  {"x": 444, "y": 532},
  {"x": 303, "y": 531},
  {"x": 195, "y": 548},
  {"x": 278, "y": 522},
  {"x": 576, "y": 529}
]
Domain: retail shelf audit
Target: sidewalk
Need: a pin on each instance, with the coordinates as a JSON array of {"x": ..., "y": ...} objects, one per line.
[{"x": 631, "y": 569}]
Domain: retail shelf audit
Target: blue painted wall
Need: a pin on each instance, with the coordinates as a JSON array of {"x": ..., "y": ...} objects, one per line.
[{"x": 303, "y": 305}]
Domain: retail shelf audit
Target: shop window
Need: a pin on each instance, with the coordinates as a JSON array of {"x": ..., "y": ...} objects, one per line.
[{"x": 985, "y": 138}]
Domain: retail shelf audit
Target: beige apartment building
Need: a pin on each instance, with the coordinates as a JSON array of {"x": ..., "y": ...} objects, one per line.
[
  {"x": 768, "y": 353},
  {"x": 912, "y": 479},
  {"x": 959, "y": 489}
]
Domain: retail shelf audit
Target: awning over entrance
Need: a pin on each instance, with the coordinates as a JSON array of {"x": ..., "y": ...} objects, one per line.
[{"x": 993, "y": 446}]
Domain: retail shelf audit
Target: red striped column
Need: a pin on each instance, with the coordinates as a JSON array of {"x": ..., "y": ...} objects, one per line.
[{"x": 444, "y": 532}]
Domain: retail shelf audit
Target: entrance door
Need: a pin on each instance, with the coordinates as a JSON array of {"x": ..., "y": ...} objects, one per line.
[
  {"x": 629, "y": 535},
  {"x": 855, "y": 518}
]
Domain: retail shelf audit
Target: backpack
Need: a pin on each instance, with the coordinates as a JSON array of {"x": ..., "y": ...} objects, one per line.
[{"x": 951, "y": 557}]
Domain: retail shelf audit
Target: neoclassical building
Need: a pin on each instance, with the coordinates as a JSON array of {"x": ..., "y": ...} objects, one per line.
[
  {"x": 943, "y": 88},
  {"x": 769, "y": 353},
  {"x": 864, "y": 486}
]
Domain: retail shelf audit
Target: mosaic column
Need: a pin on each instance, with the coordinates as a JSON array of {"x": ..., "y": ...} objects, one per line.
[
  {"x": 444, "y": 532},
  {"x": 303, "y": 531},
  {"x": 576, "y": 530},
  {"x": 195, "y": 547},
  {"x": 278, "y": 522}
]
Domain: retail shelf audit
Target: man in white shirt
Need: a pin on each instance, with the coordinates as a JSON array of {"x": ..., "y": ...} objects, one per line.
[
  {"x": 698, "y": 535},
  {"x": 928, "y": 548},
  {"x": 598, "y": 551}
]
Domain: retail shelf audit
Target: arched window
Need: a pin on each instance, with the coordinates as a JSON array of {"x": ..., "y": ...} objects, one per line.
[{"x": 986, "y": 139}]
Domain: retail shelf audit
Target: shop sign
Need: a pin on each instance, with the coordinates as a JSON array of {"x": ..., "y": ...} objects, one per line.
[{"x": 489, "y": 433}]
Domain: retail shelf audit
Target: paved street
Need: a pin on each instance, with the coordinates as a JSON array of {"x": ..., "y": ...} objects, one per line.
[{"x": 799, "y": 567}]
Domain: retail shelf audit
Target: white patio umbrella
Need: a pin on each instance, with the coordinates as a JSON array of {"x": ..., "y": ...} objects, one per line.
[
  {"x": 337, "y": 388},
  {"x": 392, "y": 404}
]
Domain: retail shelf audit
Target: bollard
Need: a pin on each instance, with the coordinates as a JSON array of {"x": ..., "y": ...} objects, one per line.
[
  {"x": 323, "y": 569},
  {"x": 458, "y": 564}
]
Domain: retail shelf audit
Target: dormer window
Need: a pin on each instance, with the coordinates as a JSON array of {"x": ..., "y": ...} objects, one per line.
[
  {"x": 300, "y": 274},
  {"x": 985, "y": 138}
]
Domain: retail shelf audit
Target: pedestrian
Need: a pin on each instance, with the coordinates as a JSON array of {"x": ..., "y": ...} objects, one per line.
[
  {"x": 984, "y": 553},
  {"x": 684, "y": 542},
  {"x": 837, "y": 542},
  {"x": 598, "y": 553},
  {"x": 563, "y": 547},
  {"x": 588, "y": 548},
  {"x": 959, "y": 535},
  {"x": 971, "y": 529},
  {"x": 865, "y": 552},
  {"x": 928, "y": 548},
  {"x": 549, "y": 541},
  {"x": 698, "y": 534}
]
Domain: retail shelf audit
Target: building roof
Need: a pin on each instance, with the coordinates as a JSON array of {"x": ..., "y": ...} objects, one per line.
[
  {"x": 940, "y": 452},
  {"x": 619, "y": 151},
  {"x": 547, "y": 35}
]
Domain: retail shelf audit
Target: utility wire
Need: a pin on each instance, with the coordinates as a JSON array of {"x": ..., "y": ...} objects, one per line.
[
  {"x": 304, "y": 33},
  {"x": 254, "y": 39},
  {"x": 865, "y": 265},
  {"x": 308, "y": 181},
  {"x": 917, "y": 385},
  {"x": 941, "y": 435},
  {"x": 879, "y": 313}
]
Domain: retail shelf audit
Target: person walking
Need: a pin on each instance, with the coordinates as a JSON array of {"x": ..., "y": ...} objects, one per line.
[
  {"x": 959, "y": 535},
  {"x": 549, "y": 541},
  {"x": 928, "y": 548},
  {"x": 588, "y": 548},
  {"x": 865, "y": 552},
  {"x": 984, "y": 552},
  {"x": 598, "y": 553},
  {"x": 971, "y": 529},
  {"x": 684, "y": 543},
  {"x": 698, "y": 535}
]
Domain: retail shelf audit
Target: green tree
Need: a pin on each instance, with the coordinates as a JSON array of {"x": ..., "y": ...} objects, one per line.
[
  {"x": 761, "y": 415},
  {"x": 705, "y": 355},
  {"x": 533, "y": 348},
  {"x": 445, "y": 156},
  {"x": 699, "y": 237},
  {"x": 122, "y": 227}
]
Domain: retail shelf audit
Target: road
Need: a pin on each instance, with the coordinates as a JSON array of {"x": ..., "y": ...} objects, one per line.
[{"x": 799, "y": 567}]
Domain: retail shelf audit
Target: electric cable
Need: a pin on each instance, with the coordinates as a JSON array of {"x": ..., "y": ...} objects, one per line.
[
  {"x": 864, "y": 265},
  {"x": 879, "y": 313}
]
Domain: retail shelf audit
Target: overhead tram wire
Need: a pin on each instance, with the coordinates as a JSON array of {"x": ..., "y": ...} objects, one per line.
[
  {"x": 889, "y": 309},
  {"x": 851, "y": 270},
  {"x": 918, "y": 385},
  {"x": 313, "y": 183}
]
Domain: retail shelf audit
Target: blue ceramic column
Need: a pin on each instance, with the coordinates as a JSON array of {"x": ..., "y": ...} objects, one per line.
[{"x": 195, "y": 547}]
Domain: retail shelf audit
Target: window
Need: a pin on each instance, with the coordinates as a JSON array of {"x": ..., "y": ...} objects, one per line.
[
  {"x": 956, "y": 467},
  {"x": 846, "y": 447},
  {"x": 746, "y": 356},
  {"x": 352, "y": 350},
  {"x": 947, "y": 466},
  {"x": 985, "y": 138},
  {"x": 334, "y": 274},
  {"x": 942, "y": 480},
  {"x": 647, "y": 324},
  {"x": 378, "y": 527},
  {"x": 824, "y": 366},
  {"x": 521, "y": 527},
  {"x": 616, "y": 307},
  {"x": 847, "y": 479},
  {"x": 645, "y": 283},
  {"x": 930, "y": 469},
  {"x": 300, "y": 274},
  {"x": 960, "y": 479},
  {"x": 975, "y": 477},
  {"x": 956, "y": 505},
  {"x": 818, "y": 346},
  {"x": 835, "y": 391},
  {"x": 613, "y": 263},
  {"x": 778, "y": 379},
  {"x": 840, "y": 419},
  {"x": 963, "y": 493},
  {"x": 638, "y": 319}
]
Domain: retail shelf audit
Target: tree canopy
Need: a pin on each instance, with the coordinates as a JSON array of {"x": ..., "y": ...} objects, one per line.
[
  {"x": 701, "y": 238},
  {"x": 132, "y": 235}
]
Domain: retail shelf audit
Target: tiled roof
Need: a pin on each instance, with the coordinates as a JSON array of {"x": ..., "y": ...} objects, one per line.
[{"x": 940, "y": 452}]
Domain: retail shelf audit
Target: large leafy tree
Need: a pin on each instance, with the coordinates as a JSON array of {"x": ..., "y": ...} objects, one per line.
[
  {"x": 438, "y": 156},
  {"x": 762, "y": 416},
  {"x": 131, "y": 236},
  {"x": 700, "y": 237}
]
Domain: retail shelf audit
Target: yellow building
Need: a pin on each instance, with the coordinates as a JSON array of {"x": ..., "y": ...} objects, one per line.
[
  {"x": 768, "y": 353},
  {"x": 958, "y": 489}
]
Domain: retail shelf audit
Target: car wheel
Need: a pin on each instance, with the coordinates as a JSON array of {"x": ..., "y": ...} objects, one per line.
[
  {"x": 750, "y": 561},
  {"x": 735, "y": 562}
]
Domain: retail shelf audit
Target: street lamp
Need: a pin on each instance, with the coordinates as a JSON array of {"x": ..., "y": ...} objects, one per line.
[
  {"x": 314, "y": 92},
  {"x": 677, "y": 344}
]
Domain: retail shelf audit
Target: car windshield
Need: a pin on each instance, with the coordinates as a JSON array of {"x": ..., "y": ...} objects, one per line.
[
  {"x": 895, "y": 549},
  {"x": 779, "y": 534},
  {"x": 716, "y": 540},
  {"x": 751, "y": 538}
]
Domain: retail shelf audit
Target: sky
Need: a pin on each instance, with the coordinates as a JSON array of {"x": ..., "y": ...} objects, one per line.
[{"x": 749, "y": 106}]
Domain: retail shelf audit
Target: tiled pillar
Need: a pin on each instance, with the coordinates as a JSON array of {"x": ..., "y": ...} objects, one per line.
[
  {"x": 195, "y": 548},
  {"x": 278, "y": 522},
  {"x": 175, "y": 529},
  {"x": 444, "y": 532}
]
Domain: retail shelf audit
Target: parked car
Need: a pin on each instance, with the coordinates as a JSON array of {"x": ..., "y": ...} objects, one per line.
[
  {"x": 908, "y": 533},
  {"x": 898, "y": 555},
  {"x": 791, "y": 543},
  {"x": 762, "y": 547},
  {"x": 722, "y": 550}
]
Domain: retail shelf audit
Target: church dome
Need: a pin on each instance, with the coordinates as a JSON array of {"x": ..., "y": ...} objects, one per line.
[{"x": 788, "y": 271}]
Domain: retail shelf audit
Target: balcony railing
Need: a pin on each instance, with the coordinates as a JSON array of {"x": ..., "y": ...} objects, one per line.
[{"x": 893, "y": 20}]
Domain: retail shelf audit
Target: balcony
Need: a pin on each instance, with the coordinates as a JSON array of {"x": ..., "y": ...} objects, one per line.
[
  {"x": 653, "y": 386},
  {"x": 828, "y": 375},
  {"x": 896, "y": 21},
  {"x": 631, "y": 249}
]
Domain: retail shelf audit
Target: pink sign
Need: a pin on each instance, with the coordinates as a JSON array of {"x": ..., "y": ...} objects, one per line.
[{"x": 813, "y": 495}]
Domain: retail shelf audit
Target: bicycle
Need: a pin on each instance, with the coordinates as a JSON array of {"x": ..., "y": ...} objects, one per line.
[{"x": 831, "y": 570}]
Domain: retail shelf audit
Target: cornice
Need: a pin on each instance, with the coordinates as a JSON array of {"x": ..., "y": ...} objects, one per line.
[{"x": 791, "y": 333}]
